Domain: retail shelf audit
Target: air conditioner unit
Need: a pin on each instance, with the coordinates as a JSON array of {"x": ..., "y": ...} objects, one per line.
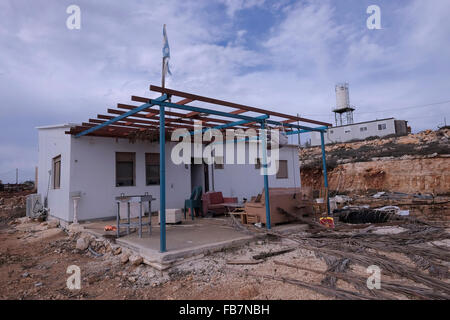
[{"x": 34, "y": 204}]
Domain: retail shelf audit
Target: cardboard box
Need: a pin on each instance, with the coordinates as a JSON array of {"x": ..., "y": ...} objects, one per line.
[{"x": 172, "y": 216}]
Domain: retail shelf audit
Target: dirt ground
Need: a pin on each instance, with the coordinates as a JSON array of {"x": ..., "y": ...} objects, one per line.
[
  {"x": 34, "y": 257},
  {"x": 34, "y": 261}
]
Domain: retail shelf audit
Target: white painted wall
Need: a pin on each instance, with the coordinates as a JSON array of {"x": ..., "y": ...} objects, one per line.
[
  {"x": 53, "y": 142},
  {"x": 243, "y": 180},
  {"x": 93, "y": 173},
  {"x": 353, "y": 131},
  {"x": 88, "y": 166}
]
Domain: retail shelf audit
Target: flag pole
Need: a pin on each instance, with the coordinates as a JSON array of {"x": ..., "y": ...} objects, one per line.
[
  {"x": 162, "y": 168},
  {"x": 163, "y": 75}
]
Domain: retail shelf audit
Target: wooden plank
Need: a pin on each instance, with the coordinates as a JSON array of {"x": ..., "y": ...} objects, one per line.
[
  {"x": 233, "y": 105},
  {"x": 206, "y": 121}
]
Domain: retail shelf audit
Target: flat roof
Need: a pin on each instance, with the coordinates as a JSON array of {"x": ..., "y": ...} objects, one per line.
[
  {"x": 357, "y": 123},
  {"x": 61, "y": 125}
]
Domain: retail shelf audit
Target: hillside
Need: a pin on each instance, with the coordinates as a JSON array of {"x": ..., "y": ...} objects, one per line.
[{"x": 416, "y": 163}]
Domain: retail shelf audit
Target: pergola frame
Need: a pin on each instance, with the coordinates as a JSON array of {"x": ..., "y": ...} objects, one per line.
[{"x": 142, "y": 118}]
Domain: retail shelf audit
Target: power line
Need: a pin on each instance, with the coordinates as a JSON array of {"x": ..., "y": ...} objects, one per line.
[{"x": 405, "y": 108}]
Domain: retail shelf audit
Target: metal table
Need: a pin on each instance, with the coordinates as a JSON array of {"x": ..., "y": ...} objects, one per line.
[{"x": 132, "y": 198}]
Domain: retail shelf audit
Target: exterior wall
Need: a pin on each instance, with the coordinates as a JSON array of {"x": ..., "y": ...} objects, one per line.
[
  {"x": 351, "y": 132},
  {"x": 243, "y": 180},
  {"x": 88, "y": 168},
  {"x": 94, "y": 175},
  {"x": 53, "y": 142}
]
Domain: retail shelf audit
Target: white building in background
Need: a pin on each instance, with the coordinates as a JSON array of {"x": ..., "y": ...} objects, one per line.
[
  {"x": 102, "y": 168},
  {"x": 361, "y": 131}
]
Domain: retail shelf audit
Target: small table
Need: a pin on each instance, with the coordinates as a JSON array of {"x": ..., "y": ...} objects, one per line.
[
  {"x": 237, "y": 209},
  {"x": 128, "y": 224}
]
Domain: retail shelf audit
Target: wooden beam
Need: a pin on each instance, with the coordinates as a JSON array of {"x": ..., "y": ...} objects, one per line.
[
  {"x": 233, "y": 105},
  {"x": 205, "y": 120}
]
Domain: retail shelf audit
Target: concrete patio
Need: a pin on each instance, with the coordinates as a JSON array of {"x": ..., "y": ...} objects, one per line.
[
  {"x": 187, "y": 240},
  {"x": 184, "y": 240}
]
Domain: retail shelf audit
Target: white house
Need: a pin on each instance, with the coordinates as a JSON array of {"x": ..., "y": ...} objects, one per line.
[
  {"x": 361, "y": 130},
  {"x": 101, "y": 168}
]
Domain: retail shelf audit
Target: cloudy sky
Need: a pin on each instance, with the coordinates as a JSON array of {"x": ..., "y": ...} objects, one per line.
[{"x": 283, "y": 55}]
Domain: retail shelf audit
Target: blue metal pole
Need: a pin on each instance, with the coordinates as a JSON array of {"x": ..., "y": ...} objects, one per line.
[
  {"x": 325, "y": 174},
  {"x": 162, "y": 180},
  {"x": 304, "y": 130},
  {"x": 266, "y": 178}
]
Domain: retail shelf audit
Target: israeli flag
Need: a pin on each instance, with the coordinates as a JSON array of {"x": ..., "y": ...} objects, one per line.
[{"x": 166, "y": 51}]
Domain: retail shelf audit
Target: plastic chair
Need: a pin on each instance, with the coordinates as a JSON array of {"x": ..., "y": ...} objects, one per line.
[{"x": 194, "y": 202}]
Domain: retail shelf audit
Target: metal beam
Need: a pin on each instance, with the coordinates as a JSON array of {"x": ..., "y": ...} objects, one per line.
[
  {"x": 230, "y": 115},
  {"x": 126, "y": 114},
  {"x": 232, "y": 105},
  {"x": 320, "y": 129},
  {"x": 266, "y": 178},
  {"x": 162, "y": 181},
  {"x": 202, "y": 110},
  {"x": 325, "y": 174}
]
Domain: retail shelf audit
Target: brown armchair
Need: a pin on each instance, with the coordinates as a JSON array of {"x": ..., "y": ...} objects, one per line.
[{"x": 215, "y": 202}]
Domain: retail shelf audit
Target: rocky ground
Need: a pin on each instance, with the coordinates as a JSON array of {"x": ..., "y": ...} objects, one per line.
[{"x": 34, "y": 257}]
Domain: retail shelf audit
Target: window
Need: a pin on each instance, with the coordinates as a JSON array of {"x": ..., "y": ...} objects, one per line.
[
  {"x": 382, "y": 126},
  {"x": 282, "y": 169},
  {"x": 363, "y": 129},
  {"x": 348, "y": 131},
  {"x": 57, "y": 172},
  {"x": 331, "y": 131},
  {"x": 152, "y": 169},
  {"x": 125, "y": 169}
]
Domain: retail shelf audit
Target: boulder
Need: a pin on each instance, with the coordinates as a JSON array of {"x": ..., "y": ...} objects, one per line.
[
  {"x": 117, "y": 250},
  {"x": 82, "y": 243},
  {"x": 135, "y": 260},
  {"x": 124, "y": 257}
]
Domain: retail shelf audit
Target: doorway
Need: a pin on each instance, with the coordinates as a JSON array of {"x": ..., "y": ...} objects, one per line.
[{"x": 199, "y": 176}]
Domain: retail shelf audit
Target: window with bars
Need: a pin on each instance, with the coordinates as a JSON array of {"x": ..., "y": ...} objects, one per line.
[
  {"x": 125, "y": 169},
  {"x": 56, "y": 172},
  {"x": 152, "y": 169}
]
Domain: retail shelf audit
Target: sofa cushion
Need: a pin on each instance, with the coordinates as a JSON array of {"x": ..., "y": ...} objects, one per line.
[{"x": 215, "y": 197}]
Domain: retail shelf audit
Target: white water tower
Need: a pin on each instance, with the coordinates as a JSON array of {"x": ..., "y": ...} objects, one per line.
[{"x": 343, "y": 105}]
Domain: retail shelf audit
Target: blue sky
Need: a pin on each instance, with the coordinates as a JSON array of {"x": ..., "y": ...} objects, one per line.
[{"x": 283, "y": 55}]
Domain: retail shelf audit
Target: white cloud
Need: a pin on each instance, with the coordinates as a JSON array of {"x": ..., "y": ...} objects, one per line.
[
  {"x": 233, "y": 6},
  {"x": 48, "y": 72}
]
